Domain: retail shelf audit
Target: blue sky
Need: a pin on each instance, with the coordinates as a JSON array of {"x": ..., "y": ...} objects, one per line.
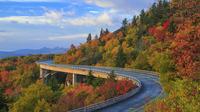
[{"x": 33, "y": 24}]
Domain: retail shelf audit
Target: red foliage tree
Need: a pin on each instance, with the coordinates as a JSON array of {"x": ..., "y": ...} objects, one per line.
[
  {"x": 4, "y": 77},
  {"x": 166, "y": 24},
  {"x": 186, "y": 45},
  {"x": 8, "y": 91},
  {"x": 74, "y": 99},
  {"x": 186, "y": 50},
  {"x": 158, "y": 32},
  {"x": 6, "y": 83},
  {"x": 123, "y": 86},
  {"x": 108, "y": 89}
]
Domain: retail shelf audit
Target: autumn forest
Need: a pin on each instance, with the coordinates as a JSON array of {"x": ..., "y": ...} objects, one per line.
[{"x": 164, "y": 39}]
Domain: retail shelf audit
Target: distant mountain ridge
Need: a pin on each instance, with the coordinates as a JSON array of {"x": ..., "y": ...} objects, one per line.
[{"x": 26, "y": 52}]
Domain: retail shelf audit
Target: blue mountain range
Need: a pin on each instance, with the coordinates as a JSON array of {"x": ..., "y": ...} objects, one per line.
[{"x": 27, "y": 52}]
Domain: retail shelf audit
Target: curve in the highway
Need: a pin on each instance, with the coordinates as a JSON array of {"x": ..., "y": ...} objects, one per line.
[{"x": 151, "y": 88}]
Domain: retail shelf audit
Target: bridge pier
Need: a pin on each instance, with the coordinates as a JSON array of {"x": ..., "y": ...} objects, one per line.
[
  {"x": 43, "y": 72},
  {"x": 74, "y": 79}
]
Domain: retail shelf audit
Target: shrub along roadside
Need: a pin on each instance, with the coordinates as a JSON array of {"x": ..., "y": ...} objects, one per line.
[{"x": 84, "y": 94}]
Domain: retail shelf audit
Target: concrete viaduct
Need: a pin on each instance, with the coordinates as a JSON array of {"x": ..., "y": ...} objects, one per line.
[
  {"x": 148, "y": 89},
  {"x": 75, "y": 71}
]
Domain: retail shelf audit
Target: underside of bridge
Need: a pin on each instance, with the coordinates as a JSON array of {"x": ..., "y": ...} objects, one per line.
[
  {"x": 62, "y": 77},
  {"x": 147, "y": 83},
  {"x": 70, "y": 75}
]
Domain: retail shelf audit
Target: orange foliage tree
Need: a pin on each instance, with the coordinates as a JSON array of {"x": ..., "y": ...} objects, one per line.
[{"x": 186, "y": 45}]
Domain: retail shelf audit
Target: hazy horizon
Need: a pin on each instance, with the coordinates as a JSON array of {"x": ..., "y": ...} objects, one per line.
[{"x": 33, "y": 49}]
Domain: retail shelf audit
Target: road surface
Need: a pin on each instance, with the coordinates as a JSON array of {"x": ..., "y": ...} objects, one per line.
[{"x": 150, "y": 90}]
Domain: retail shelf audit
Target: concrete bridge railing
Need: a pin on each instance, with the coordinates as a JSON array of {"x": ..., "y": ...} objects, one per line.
[
  {"x": 105, "y": 70},
  {"x": 117, "y": 99}
]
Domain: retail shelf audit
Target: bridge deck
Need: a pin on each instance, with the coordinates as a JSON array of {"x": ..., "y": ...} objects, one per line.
[{"x": 150, "y": 90}]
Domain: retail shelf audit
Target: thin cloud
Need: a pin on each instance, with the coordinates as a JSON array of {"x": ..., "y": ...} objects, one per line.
[
  {"x": 101, "y": 3},
  {"x": 94, "y": 12},
  {"x": 60, "y": 19},
  {"x": 67, "y": 37},
  {"x": 125, "y": 6},
  {"x": 91, "y": 20},
  {"x": 50, "y": 17}
]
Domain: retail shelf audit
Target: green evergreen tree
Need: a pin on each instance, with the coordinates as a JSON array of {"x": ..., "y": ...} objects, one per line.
[
  {"x": 89, "y": 38},
  {"x": 97, "y": 82},
  {"x": 102, "y": 32},
  {"x": 134, "y": 20},
  {"x": 112, "y": 76},
  {"x": 107, "y": 31},
  {"x": 120, "y": 58},
  {"x": 3, "y": 102},
  {"x": 124, "y": 26},
  {"x": 96, "y": 37},
  {"x": 90, "y": 78},
  {"x": 142, "y": 17},
  {"x": 52, "y": 82}
]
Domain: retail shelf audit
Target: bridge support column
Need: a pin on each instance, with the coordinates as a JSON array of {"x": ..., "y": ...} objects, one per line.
[
  {"x": 74, "y": 79},
  {"x": 42, "y": 73}
]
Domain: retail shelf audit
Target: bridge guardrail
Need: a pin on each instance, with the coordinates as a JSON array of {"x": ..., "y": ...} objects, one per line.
[
  {"x": 89, "y": 67},
  {"x": 110, "y": 101},
  {"x": 107, "y": 70}
]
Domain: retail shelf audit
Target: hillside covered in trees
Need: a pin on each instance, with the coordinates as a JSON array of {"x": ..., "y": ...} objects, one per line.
[
  {"x": 16, "y": 74},
  {"x": 21, "y": 89},
  {"x": 165, "y": 39}
]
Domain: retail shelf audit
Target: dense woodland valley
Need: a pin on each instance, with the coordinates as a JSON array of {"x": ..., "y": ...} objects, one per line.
[{"x": 164, "y": 39}]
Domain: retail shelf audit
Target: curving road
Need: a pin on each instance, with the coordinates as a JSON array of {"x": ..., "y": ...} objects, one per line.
[{"x": 150, "y": 90}]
